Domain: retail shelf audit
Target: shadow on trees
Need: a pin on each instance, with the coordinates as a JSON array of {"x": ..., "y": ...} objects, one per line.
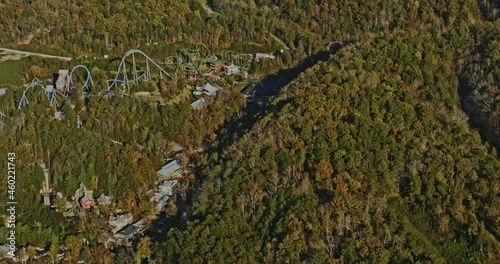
[
  {"x": 234, "y": 128},
  {"x": 475, "y": 121},
  {"x": 258, "y": 107}
]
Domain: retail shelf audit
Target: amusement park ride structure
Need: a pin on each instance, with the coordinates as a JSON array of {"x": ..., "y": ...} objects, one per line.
[
  {"x": 135, "y": 74},
  {"x": 200, "y": 61},
  {"x": 120, "y": 82},
  {"x": 192, "y": 62}
]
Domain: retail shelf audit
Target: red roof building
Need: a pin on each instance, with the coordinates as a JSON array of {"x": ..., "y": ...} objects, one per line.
[{"x": 87, "y": 202}]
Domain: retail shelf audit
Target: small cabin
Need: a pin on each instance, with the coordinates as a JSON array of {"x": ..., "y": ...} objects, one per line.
[
  {"x": 259, "y": 56},
  {"x": 167, "y": 187},
  {"x": 207, "y": 89},
  {"x": 87, "y": 202},
  {"x": 169, "y": 169},
  {"x": 62, "y": 80},
  {"x": 232, "y": 69}
]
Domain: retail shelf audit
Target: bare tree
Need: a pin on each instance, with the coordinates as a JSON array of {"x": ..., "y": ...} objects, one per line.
[
  {"x": 242, "y": 200},
  {"x": 329, "y": 242}
]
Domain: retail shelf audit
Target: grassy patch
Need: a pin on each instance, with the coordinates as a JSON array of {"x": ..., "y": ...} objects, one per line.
[{"x": 9, "y": 72}]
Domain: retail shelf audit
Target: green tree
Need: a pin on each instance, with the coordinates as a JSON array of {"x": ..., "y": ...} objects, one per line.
[
  {"x": 143, "y": 249},
  {"x": 74, "y": 245}
]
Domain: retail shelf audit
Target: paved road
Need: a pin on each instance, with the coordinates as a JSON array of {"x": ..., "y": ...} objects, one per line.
[{"x": 35, "y": 54}]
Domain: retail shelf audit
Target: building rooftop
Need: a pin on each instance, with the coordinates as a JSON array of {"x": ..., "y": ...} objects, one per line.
[
  {"x": 164, "y": 199},
  {"x": 169, "y": 183},
  {"x": 232, "y": 69},
  {"x": 158, "y": 197},
  {"x": 49, "y": 88},
  {"x": 62, "y": 82},
  {"x": 131, "y": 230},
  {"x": 166, "y": 187},
  {"x": 4, "y": 249},
  {"x": 139, "y": 223},
  {"x": 207, "y": 89},
  {"x": 63, "y": 72},
  {"x": 104, "y": 200},
  {"x": 169, "y": 168},
  {"x": 155, "y": 198},
  {"x": 259, "y": 56},
  {"x": 120, "y": 221},
  {"x": 123, "y": 218},
  {"x": 87, "y": 202},
  {"x": 198, "y": 103},
  {"x": 161, "y": 201}
]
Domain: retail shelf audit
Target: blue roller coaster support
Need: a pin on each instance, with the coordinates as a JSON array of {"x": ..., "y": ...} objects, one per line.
[
  {"x": 85, "y": 88},
  {"x": 136, "y": 74},
  {"x": 34, "y": 83}
]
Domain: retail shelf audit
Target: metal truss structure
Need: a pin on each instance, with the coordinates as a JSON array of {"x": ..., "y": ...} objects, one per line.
[
  {"x": 121, "y": 80},
  {"x": 85, "y": 88},
  {"x": 124, "y": 77}
]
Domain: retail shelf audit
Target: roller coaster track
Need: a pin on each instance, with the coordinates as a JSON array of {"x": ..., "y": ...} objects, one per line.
[
  {"x": 174, "y": 62},
  {"x": 235, "y": 58},
  {"x": 85, "y": 88},
  {"x": 35, "y": 83},
  {"x": 52, "y": 93},
  {"x": 136, "y": 74},
  {"x": 192, "y": 58},
  {"x": 200, "y": 47}
]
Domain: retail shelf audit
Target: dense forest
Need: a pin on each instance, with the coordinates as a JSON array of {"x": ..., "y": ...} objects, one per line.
[
  {"x": 111, "y": 27},
  {"x": 122, "y": 142},
  {"x": 386, "y": 152},
  {"x": 367, "y": 157},
  {"x": 358, "y": 165}
]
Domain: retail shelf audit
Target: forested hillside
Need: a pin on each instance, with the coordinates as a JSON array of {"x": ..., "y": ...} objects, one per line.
[
  {"x": 97, "y": 27},
  {"x": 359, "y": 164},
  {"x": 161, "y": 27},
  {"x": 386, "y": 152},
  {"x": 481, "y": 82},
  {"x": 122, "y": 143},
  {"x": 367, "y": 158}
]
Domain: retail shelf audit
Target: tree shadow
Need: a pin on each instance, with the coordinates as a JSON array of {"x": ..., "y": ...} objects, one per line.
[
  {"x": 258, "y": 98},
  {"x": 234, "y": 128}
]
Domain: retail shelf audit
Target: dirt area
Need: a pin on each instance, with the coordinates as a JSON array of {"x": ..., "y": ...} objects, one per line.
[{"x": 27, "y": 40}]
